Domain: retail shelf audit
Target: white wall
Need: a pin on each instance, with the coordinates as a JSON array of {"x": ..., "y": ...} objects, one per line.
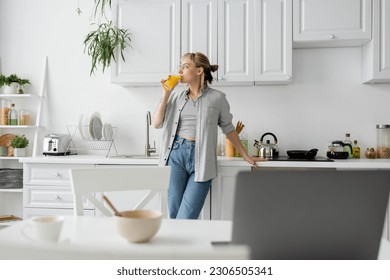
[{"x": 325, "y": 100}]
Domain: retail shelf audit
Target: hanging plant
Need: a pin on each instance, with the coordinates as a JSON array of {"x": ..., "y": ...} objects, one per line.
[{"x": 101, "y": 44}]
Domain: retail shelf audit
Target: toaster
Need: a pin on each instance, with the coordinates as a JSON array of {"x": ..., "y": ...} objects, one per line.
[{"x": 56, "y": 144}]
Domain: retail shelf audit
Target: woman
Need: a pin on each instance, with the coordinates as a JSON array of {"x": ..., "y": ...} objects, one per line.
[{"x": 190, "y": 121}]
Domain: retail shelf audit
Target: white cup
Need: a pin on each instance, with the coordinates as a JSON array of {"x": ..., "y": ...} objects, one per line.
[{"x": 46, "y": 229}]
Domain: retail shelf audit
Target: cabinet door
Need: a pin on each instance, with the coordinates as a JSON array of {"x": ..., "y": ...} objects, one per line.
[
  {"x": 273, "y": 41},
  {"x": 223, "y": 192},
  {"x": 199, "y": 27},
  {"x": 235, "y": 42},
  {"x": 376, "y": 53},
  {"x": 155, "y": 32},
  {"x": 321, "y": 23}
]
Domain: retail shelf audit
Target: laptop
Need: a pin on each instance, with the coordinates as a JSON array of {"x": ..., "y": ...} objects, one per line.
[{"x": 306, "y": 215}]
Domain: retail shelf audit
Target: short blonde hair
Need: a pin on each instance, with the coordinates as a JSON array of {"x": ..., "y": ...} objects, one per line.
[{"x": 200, "y": 60}]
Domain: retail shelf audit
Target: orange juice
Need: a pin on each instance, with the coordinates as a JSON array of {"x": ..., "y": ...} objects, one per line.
[{"x": 172, "y": 81}]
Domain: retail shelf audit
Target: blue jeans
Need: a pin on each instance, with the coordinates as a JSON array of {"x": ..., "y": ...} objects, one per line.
[{"x": 185, "y": 196}]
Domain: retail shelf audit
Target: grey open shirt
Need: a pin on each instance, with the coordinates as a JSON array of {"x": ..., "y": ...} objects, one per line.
[{"x": 213, "y": 111}]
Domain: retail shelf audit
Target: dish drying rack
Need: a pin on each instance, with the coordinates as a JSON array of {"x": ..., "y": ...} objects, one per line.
[{"x": 81, "y": 142}]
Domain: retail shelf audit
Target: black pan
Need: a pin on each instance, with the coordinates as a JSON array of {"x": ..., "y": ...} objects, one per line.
[{"x": 302, "y": 154}]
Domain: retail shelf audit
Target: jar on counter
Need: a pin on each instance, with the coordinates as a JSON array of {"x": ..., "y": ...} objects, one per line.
[{"x": 383, "y": 140}]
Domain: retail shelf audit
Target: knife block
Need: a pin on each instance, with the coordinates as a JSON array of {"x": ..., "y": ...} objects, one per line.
[{"x": 229, "y": 148}]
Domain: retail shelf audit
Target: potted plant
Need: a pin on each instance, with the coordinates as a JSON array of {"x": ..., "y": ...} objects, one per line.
[
  {"x": 2, "y": 81},
  {"x": 19, "y": 144},
  {"x": 21, "y": 85},
  {"x": 101, "y": 44},
  {"x": 11, "y": 84}
]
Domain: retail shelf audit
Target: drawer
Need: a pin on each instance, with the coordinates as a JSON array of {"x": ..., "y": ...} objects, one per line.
[
  {"x": 50, "y": 197},
  {"x": 36, "y": 212},
  {"x": 49, "y": 173}
]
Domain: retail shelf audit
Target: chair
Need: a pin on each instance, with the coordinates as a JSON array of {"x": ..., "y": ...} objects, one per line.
[{"x": 87, "y": 182}]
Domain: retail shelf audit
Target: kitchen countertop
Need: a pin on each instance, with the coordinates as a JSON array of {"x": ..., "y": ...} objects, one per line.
[{"x": 222, "y": 161}]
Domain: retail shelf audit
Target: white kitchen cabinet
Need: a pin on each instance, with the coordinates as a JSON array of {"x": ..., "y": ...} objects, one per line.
[
  {"x": 199, "y": 27},
  {"x": 223, "y": 192},
  {"x": 236, "y": 42},
  {"x": 47, "y": 189},
  {"x": 273, "y": 42},
  {"x": 376, "y": 53},
  {"x": 331, "y": 23},
  {"x": 155, "y": 48}
]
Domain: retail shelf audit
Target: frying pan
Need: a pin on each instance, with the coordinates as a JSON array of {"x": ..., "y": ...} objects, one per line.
[{"x": 302, "y": 154}]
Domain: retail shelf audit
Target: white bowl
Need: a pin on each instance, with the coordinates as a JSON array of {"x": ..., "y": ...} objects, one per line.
[{"x": 138, "y": 225}]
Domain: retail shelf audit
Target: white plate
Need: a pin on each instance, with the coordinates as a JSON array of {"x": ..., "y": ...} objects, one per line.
[
  {"x": 108, "y": 132},
  {"x": 80, "y": 127},
  {"x": 95, "y": 125},
  {"x": 87, "y": 135}
]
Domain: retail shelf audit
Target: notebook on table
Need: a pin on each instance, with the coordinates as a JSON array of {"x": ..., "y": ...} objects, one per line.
[{"x": 325, "y": 214}]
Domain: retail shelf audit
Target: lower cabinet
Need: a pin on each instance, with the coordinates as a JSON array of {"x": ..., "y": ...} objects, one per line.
[
  {"x": 47, "y": 190},
  {"x": 223, "y": 191}
]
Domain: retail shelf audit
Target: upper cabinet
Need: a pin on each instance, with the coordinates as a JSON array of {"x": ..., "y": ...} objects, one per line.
[
  {"x": 376, "y": 54},
  {"x": 155, "y": 48},
  {"x": 250, "y": 40},
  {"x": 273, "y": 42},
  {"x": 331, "y": 23}
]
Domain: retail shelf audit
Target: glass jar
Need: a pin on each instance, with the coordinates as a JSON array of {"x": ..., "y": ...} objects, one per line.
[
  {"x": 383, "y": 140},
  {"x": 24, "y": 117},
  {"x": 5, "y": 108}
]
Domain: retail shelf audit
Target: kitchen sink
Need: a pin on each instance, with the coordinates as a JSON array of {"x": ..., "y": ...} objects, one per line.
[{"x": 136, "y": 157}]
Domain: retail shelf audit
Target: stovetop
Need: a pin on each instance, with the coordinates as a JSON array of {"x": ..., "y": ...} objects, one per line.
[{"x": 286, "y": 158}]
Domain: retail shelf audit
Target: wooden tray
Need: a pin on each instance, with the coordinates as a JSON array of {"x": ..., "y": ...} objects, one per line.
[{"x": 5, "y": 140}]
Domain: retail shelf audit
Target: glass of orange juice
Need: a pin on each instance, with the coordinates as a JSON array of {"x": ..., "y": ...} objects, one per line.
[{"x": 172, "y": 81}]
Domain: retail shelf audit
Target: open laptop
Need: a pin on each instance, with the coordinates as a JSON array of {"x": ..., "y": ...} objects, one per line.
[{"x": 311, "y": 214}]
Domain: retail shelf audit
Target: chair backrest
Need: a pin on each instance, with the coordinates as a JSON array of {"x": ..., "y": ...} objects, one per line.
[{"x": 87, "y": 182}]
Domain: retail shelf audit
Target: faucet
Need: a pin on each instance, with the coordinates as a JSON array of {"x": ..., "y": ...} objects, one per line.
[{"x": 148, "y": 149}]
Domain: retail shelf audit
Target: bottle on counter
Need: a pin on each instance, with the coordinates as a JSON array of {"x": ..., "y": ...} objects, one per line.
[
  {"x": 348, "y": 141},
  {"x": 355, "y": 149},
  {"x": 13, "y": 115},
  {"x": 244, "y": 141}
]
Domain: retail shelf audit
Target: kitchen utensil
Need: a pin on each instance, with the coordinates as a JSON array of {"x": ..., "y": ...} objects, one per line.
[
  {"x": 138, "y": 225},
  {"x": 239, "y": 127},
  {"x": 5, "y": 141},
  {"x": 302, "y": 154},
  {"x": 267, "y": 150},
  {"x": 111, "y": 206},
  {"x": 336, "y": 150}
]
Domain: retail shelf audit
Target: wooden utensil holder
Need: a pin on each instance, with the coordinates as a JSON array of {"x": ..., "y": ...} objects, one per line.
[{"x": 229, "y": 147}]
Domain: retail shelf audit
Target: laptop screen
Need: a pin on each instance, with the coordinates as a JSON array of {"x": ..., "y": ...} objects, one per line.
[{"x": 325, "y": 214}]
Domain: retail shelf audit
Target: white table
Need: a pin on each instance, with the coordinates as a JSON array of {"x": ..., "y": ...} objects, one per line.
[{"x": 85, "y": 237}]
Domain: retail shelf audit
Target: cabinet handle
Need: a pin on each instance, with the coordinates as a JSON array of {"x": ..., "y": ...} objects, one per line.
[
  {"x": 57, "y": 174},
  {"x": 331, "y": 36},
  {"x": 57, "y": 197}
]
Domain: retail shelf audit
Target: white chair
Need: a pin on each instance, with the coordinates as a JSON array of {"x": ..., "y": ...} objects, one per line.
[{"x": 87, "y": 182}]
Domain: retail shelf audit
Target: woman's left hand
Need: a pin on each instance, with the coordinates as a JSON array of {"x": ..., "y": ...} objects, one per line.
[{"x": 252, "y": 160}]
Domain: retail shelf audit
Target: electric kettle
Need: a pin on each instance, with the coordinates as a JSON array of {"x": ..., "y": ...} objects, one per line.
[{"x": 267, "y": 149}]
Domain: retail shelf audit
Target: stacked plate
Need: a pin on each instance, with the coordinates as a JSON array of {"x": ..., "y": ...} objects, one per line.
[{"x": 91, "y": 128}]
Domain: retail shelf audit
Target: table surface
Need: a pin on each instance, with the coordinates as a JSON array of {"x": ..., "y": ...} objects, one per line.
[{"x": 84, "y": 237}]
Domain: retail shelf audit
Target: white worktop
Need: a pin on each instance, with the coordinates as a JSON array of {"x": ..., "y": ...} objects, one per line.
[{"x": 222, "y": 161}]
